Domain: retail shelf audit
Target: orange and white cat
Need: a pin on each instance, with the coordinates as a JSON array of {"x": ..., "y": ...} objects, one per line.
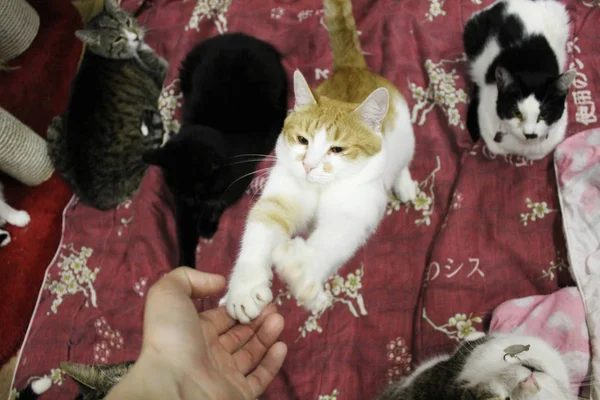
[{"x": 343, "y": 149}]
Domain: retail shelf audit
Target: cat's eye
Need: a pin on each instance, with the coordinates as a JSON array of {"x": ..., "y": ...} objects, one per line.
[
  {"x": 518, "y": 115},
  {"x": 128, "y": 22},
  {"x": 302, "y": 140},
  {"x": 336, "y": 149},
  {"x": 541, "y": 118}
]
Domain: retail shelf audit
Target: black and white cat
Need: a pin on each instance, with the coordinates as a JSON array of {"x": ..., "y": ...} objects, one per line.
[
  {"x": 481, "y": 370},
  {"x": 517, "y": 51},
  {"x": 11, "y": 216}
]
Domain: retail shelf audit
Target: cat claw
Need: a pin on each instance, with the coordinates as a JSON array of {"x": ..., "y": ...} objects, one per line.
[{"x": 245, "y": 301}]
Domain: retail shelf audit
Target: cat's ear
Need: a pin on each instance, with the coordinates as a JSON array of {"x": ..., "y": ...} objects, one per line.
[
  {"x": 504, "y": 79},
  {"x": 89, "y": 36},
  {"x": 564, "y": 82},
  {"x": 93, "y": 378},
  {"x": 110, "y": 6},
  {"x": 87, "y": 379},
  {"x": 153, "y": 157},
  {"x": 302, "y": 92},
  {"x": 373, "y": 110}
]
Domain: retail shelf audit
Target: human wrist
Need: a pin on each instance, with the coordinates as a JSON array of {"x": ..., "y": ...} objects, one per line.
[{"x": 146, "y": 380}]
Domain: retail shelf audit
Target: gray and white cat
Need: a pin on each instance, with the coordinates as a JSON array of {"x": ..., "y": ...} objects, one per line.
[
  {"x": 517, "y": 54},
  {"x": 11, "y": 216},
  {"x": 480, "y": 370},
  {"x": 93, "y": 381},
  {"x": 112, "y": 117}
]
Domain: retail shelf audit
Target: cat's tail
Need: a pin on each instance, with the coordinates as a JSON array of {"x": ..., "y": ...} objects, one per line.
[
  {"x": 35, "y": 389},
  {"x": 343, "y": 35}
]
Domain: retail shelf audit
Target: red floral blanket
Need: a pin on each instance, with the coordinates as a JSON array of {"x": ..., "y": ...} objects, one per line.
[{"x": 484, "y": 229}]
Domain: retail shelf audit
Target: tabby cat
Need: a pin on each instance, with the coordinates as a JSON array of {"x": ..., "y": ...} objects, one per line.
[
  {"x": 235, "y": 93},
  {"x": 480, "y": 370},
  {"x": 343, "y": 149},
  {"x": 112, "y": 117},
  {"x": 94, "y": 381}
]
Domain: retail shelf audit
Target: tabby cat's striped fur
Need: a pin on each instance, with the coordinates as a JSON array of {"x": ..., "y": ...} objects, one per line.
[{"x": 112, "y": 117}]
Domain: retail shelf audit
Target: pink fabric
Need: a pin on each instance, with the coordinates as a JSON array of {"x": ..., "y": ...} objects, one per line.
[
  {"x": 577, "y": 162},
  {"x": 559, "y": 319}
]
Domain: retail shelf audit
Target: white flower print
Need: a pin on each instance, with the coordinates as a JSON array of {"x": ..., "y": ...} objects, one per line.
[
  {"x": 169, "y": 100},
  {"x": 75, "y": 277},
  {"x": 140, "y": 286},
  {"x": 435, "y": 9},
  {"x": 538, "y": 211},
  {"x": 340, "y": 290},
  {"x": 332, "y": 396},
  {"x": 277, "y": 12},
  {"x": 458, "y": 327},
  {"x": 110, "y": 339},
  {"x": 56, "y": 375},
  {"x": 441, "y": 91},
  {"x": 214, "y": 10},
  {"x": 422, "y": 202},
  {"x": 400, "y": 359},
  {"x": 555, "y": 266},
  {"x": 457, "y": 199},
  {"x": 425, "y": 200}
]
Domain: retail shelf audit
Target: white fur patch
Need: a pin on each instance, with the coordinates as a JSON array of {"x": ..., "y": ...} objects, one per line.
[
  {"x": 530, "y": 109},
  {"x": 144, "y": 129},
  {"x": 41, "y": 385},
  {"x": 577, "y": 363}
]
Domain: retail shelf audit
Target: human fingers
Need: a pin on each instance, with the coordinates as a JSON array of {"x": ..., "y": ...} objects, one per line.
[
  {"x": 263, "y": 375},
  {"x": 168, "y": 300},
  {"x": 251, "y": 354},
  {"x": 235, "y": 338},
  {"x": 189, "y": 282}
]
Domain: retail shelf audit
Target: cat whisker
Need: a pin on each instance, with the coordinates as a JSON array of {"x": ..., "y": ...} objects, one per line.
[
  {"x": 253, "y": 160},
  {"x": 243, "y": 176},
  {"x": 253, "y": 155}
]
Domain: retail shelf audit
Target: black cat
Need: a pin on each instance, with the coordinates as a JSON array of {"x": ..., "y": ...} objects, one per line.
[{"x": 235, "y": 93}]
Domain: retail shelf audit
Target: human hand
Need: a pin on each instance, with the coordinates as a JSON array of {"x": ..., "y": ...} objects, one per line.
[{"x": 206, "y": 356}]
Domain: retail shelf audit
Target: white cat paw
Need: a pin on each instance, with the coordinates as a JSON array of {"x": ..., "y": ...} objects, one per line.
[
  {"x": 293, "y": 264},
  {"x": 245, "y": 300},
  {"x": 20, "y": 218},
  {"x": 144, "y": 129},
  {"x": 406, "y": 190}
]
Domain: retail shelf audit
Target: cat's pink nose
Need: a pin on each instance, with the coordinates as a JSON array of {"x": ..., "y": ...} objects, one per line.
[{"x": 308, "y": 168}]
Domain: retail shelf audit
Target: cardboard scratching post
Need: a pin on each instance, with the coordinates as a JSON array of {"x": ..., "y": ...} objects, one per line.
[
  {"x": 19, "y": 24},
  {"x": 23, "y": 153}
]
